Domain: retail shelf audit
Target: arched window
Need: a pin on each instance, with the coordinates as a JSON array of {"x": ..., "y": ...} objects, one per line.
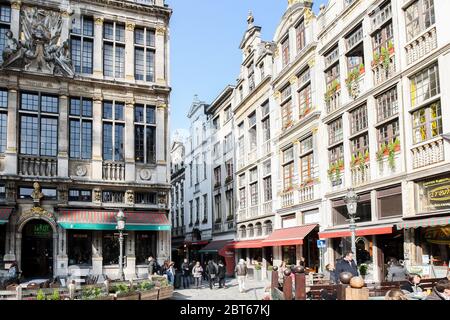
[
  {"x": 258, "y": 229},
  {"x": 268, "y": 227},
  {"x": 243, "y": 232},
  {"x": 251, "y": 232}
]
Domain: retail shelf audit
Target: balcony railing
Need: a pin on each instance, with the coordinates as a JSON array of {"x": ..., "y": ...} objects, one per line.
[
  {"x": 287, "y": 199},
  {"x": 38, "y": 166},
  {"x": 306, "y": 193},
  {"x": 428, "y": 154},
  {"x": 266, "y": 148},
  {"x": 388, "y": 167},
  {"x": 421, "y": 46},
  {"x": 254, "y": 211},
  {"x": 267, "y": 208},
  {"x": 113, "y": 171},
  {"x": 334, "y": 102},
  {"x": 242, "y": 214},
  {"x": 384, "y": 71},
  {"x": 360, "y": 174}
]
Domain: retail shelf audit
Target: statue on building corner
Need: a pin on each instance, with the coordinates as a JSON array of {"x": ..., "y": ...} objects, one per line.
[{"x": 37, "y": 194}]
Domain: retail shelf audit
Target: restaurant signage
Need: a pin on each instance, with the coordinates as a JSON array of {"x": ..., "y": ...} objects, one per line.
[
  {"x": 438, "y": 235},
  {"x": 41, "y": 230},
  {"x": 434, "y": 194}
]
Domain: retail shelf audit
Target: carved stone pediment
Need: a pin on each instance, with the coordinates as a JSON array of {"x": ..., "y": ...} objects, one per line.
[{"x": 40, "y": 49}]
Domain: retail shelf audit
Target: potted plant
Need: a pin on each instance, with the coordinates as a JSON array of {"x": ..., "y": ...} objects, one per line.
[
  {"x": 124, "y": 292},
  {"x": 165, "y": 290},
  {"x": 331, "y": 170},
  {"x": 362, "y": 69},
  {"x": 95, "y": 294},
  {"x": 385, "y": 58},
  {"x": 148, "y": 291},
  {"x": 391, "y": 156},
  {"x": 351, "y": 80},
  {"x": 362, "y": 162},
  {"x": 40, "y": 295},
  {"x": 363, "y": 270},
  {"x": 376, "y": 59},
  {"x": 367, "y": 156},
  {"x": 341, "y": 164},
  {"x": 384, "y": 149},
  {"x": 391, "y": 48},
  {"x": 397, "y": 144}
]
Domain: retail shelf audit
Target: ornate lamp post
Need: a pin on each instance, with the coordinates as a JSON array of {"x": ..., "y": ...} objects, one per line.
[
  {"x": 120, "y": 217},
  {"x": 351, "y": 200}
]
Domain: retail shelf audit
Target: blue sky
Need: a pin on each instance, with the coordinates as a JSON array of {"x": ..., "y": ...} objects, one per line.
[{"x": 205, "y": 54}]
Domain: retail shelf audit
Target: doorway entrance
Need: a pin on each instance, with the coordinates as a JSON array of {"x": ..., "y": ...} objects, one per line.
[{"x": 37, "y": 249}]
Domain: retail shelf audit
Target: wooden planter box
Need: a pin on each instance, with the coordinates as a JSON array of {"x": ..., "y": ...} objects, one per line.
[
  {"x": 165, "y": 293},
  {"x": 128, "y": 296},
  {"x": 149, "y": 294},
  {"x": 109, "y": 297}
]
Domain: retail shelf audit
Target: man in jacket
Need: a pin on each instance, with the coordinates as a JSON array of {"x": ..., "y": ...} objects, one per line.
[
  {"x": 185, "y": 274},
  {"x": 241, "y": 274},
  {"x": 347, "y": 264},
  {"x": 152, "y": 266},
  {"x": 441, "y": 291},
  {"x": 211, "y": 270},
  {"x": 221, "y": 274}
]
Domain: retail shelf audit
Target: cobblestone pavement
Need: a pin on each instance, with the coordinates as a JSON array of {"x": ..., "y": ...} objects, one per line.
[{"x": 255, "y": 291}]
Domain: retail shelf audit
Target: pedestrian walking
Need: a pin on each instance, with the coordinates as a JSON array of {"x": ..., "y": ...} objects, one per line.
[
  {"x": 197, "y": 272},
  {"x": 185, "y": 274},
  {"x": 170, "y": 272},
  {"x": 211, "y": 270},
  {"x": 241, "y": 274},
  {"x": 347, "y": 264},
  {"x": 152, "y": 266},
  {"x": 221, "y": 274},
  {"x": 396, "y": 272},
  {"x": 191, "y": 266}
]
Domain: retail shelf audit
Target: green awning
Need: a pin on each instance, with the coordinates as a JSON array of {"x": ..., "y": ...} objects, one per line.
[
  {"x": 423, "y": 223},
  {"x": 106, "y": 220}
]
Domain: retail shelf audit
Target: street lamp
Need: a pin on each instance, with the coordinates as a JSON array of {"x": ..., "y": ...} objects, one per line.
[
  {"x": 351, "y": 200},
  {"x": 120, "y": 217}
]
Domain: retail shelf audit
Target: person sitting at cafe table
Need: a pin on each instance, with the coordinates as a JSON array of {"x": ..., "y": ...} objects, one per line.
[
  {"x": 412, "y": 286},
  {"x": 11, "y": 276},
  {"x": 441, "y": 291}
]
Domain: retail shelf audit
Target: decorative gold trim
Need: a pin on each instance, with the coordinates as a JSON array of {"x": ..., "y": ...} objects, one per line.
[
  {"x": 16, "y": 5},
  {"x": 312, "y": 63},
  {"x": 97, "y": 158},
  {"x": 162, "y": 106},
  {"x": 11, "y": 149},
  {"x": 65, "y": 14},
  {"x": 293, "y": 80},
  {"x": 99, "y": 21},
  {"x": 129, "y": 77},
  {"x": 314, "y": 130},
  {"x": 160, "y": 31},
  {"x": 130, "y": 26}
]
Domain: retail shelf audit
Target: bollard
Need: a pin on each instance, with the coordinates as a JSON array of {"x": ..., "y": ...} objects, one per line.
[
  {"x": 19, "y": 292},
  {"x": 274, "y": 284},
  {"x": 287, "y": 288},
  {"x": 72, "y": 288},
  {"x": 300, "y": 286}
]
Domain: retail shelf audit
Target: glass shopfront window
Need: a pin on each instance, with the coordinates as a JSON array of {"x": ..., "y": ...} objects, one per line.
[
  {"x": 79, "y": 244},
  {"x": 433, "y": 195},
  {"x": 435, "y": 242},
  {"x": 364, "y": 210},
  {"x": 2, "y": 240},
  {"x": 289, "y": 255},
  {"x": 110, "y": 248},
  {"x": 145, "y": 246}
]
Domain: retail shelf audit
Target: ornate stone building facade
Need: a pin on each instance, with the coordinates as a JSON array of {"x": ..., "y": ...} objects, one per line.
[{"x": 83, "y": 133}]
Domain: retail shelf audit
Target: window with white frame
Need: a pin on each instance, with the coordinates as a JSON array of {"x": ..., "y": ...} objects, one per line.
[
  {"x": 307, "y": 159},
  {"x": 420, "y": 16},
  {"x": 113, "y": 131},
  {"x": 144, "y": 133},
  {"x": 144, "y": 54},
  {"x": 114, "y": 49},
  {"x": 288, "y": 168}
]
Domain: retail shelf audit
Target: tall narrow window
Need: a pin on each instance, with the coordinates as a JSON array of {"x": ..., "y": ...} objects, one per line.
[
  {"x": 304, "y": 94},
  {"x": 5, "y": 25},
  {"x": 251, "y": 77},
  {"x": 144, "y": 54},
  {"x": 286, "y": 107},
  {"x": 114, "y": 49},
  {"x": 80, "y": 128},
  {"x": 419, "y": 17},
  {"x": 307, "y": 159},
  {"x": 3, "y": 119},
  {"x": 113, "y": 131},
  {"x": 145, "y": 133},
  {"x": 301, "y": 36},
  {"x": 205, "y": 208},
  {"x": 285, "y": 52},
  {"x": 82, "y": 44},
  {"x": 288, "y": 169},
  {"x": 38, "y": 124},
  {"x": 252, "y": 133}
]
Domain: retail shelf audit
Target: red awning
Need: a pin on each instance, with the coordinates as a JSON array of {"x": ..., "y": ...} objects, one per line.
[
  {"x": 288, "y": 236},
  {"x": 106, "y": 220},
  {"x": 359, "y": 232},
  {"x": 196, "y": 243},
  {"x": 4, "y": 214},
  {"x": 249, "y": 244}
]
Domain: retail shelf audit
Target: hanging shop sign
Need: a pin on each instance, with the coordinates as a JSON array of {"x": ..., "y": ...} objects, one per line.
[
  {"x": 437, "y": 235},
  {"x": 434, "y": 194}
]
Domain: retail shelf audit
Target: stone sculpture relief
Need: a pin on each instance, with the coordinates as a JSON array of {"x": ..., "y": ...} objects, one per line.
[{"x": 40, "y": 48}]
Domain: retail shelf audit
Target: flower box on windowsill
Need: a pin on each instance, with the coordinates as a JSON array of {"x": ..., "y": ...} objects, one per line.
[
  {"x": 307, "y": 183},
  {"x": 228, "y": 179},
  {"x": 230, "y": 218},
  {"x": 218, "y": 220}
]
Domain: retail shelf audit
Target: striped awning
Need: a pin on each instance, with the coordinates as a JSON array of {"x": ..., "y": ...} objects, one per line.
[
  {"x": 360, "y": 232},
  {"x": 106, "y": 220},
  {"x": 4, "y": 214},
  {"x": 423, "y": 223},
  {"x": 288, "y": 236}
]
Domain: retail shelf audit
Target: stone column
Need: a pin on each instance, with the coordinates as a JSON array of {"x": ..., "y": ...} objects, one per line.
[
  {"x": 15, "y": 18},
  {"x": 375, "y": 262},
  {"x": 97, "y": 258},
  {"x": 62, "y": 261},
  {"x": 163, "y": 246},
  {"x": 129, "y": 51},
  {"x": 160, "y": 63},
  {"x": 347, "y": 149},
  {"x": 160, "y": 133},
  {"x": 12, "y": 128},
  {"x": 130, "y": 165},
  {"x": 19, "y": 249},
  {"x": 98, "y": 53},
  {"x": 97, "y": 158},
  {"x": 130, "y": 270},
  {"x": 63, "y": 150}
]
